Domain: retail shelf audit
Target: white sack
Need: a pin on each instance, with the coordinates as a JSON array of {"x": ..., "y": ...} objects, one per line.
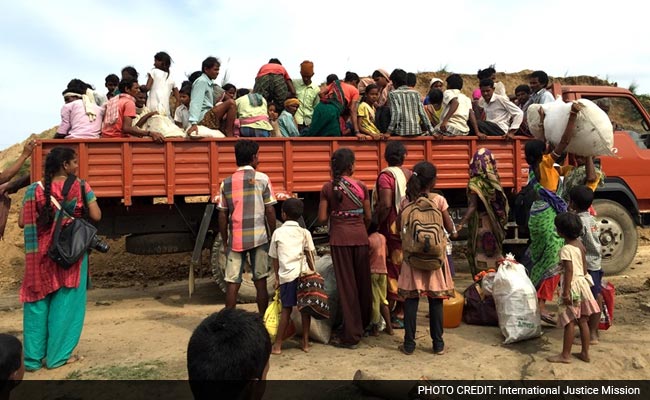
[
  {"x": 320, "y": 330},
  {"x": 516, "y": 302},
  {"x": 594, "y": 134}
]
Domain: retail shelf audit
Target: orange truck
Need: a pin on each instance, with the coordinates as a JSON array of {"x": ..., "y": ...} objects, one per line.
[{"x": 161, "y": 196}]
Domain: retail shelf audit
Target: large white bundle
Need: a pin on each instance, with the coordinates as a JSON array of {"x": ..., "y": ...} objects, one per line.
[
  {"x": 594, "y": 134},
  {"x": 516, "y": 302},
  {"x": 320, "y": 330},
  {"x": 163, "y": 125}
]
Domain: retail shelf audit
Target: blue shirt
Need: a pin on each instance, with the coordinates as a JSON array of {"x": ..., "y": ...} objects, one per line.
[
  {"x": 287, "y": 125},
  {"x": 202, "y": 98}
]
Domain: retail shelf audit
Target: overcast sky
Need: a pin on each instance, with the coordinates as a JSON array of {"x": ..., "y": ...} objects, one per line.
[{"x": 44, "y": 44}]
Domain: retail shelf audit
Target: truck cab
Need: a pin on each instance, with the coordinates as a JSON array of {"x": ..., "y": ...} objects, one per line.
[{"x": 624, "y": 202}]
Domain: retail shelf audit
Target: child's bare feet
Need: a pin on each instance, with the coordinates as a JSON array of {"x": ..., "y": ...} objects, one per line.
[
  {"x": 582, "y": 356},
  {"x": 389, "y": 330},
  {"x": 276, "y": 349},
  {"x": 559, "y": 359},
  {"x": 305, "y": 346}
]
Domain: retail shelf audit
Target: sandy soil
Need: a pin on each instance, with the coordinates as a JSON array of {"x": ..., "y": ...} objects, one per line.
[{"x": 148, "y": 326}]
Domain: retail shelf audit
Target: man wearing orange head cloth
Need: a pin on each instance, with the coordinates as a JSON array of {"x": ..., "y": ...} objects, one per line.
[{"x": 307, "y": 94}]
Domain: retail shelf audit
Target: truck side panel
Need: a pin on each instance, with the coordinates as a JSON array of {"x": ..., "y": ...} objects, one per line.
[{"x": 131, "y": 167}]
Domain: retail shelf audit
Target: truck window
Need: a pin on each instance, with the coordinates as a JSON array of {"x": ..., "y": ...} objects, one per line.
[{"x": 622, "y": 112}]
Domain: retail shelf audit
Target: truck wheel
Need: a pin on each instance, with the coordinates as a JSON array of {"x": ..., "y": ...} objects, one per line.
[
  {"x": 617, "y": 234},
  {"x": 159, "y": 243},
  {"x": 247, "y": 292}
]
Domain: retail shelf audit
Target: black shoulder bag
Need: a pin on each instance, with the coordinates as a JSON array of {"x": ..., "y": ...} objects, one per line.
[{"x": 72, "y": 241}]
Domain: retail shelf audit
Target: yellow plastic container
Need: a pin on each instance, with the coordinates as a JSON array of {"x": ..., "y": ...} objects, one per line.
[{"x": 452, "y": 311}]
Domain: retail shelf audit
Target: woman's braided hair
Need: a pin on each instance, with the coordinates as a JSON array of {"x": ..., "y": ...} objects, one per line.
[
  {"x": 341, "y": 162},
  {"x": 53, "y": 164}
]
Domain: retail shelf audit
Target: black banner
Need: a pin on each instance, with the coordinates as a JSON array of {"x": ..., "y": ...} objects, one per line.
[{"x": 331, "y": 390}]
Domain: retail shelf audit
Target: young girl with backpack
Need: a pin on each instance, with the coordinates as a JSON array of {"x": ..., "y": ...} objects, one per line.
[
  {"x": 345, "y": 203},
  {"x": 420, "y": 275},
  {"x": 160, "y": 85}
]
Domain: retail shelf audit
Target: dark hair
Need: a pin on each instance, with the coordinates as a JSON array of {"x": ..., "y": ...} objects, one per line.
[
  {"x": 487, "y": 82},
  {"x": 377, "y": 74},
  {"x": 522, "y": 88},
  {"x": 398, "y": 77},
  {"x": 53, "y": 164},
  {"x": 435, "y": 96},
  {"x": 368, "y": 88},
  {"x": 374, "y": 225},
  {"x": 293, "y": 208},
  {"x": 582, "y": 197},
  {"x": 351, "y": 77},
  {"x": 229, "y": 86},
  {"x": 112, "y": 78},
  {"x": 486, "y": 73},
  {"x": 331, "y": 78},
  {"x": 454, "y": 81},
  {"x": 242, "y": 92},
  {"x": 11, "y": 356},
  {"x": 186, "y": 88},
  {"x": 341, "y": 162},
  {"x": 78, "y": 86},
  {"x": 194, "y": 76},
  {"x": 226, "y": 352},
  {"x": 245, "y": 150},
  {"x": 541, "y": 76},
  {"x": 424, "y": 173},
  {"x": 411, "y": 79},
  {"x": 125, "y": 84},
  {"x": 534, "y": 151},
  {"x": 130, "y": 71},
  {"x": 568, "y": 225},
  {"x": 166, "y": 60},
  {"x": 395, "y": 153},
  {"x": 209, "y": 63},
  {"x": 275, "y": 61}
]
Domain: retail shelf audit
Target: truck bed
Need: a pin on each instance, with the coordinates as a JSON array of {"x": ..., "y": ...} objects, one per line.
[{"x": 126, "y": 168}]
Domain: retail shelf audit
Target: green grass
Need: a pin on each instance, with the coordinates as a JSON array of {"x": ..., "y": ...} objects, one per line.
[{"x": 147, "y": 370}]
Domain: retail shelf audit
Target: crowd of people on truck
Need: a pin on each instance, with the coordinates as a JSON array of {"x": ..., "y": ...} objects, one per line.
[
  {"x": 375, "y": 279},
  {"x": 373, "y": 107}
]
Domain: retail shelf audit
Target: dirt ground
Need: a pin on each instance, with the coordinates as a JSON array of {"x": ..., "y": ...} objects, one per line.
[{"x": 141, "y": 332}]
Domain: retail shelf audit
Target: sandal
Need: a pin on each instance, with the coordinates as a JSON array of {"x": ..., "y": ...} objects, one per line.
[
  {"x": 548, "y": 319},
  {"x": 403, "y": 350}
]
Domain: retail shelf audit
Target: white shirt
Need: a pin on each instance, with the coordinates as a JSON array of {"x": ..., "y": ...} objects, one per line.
[
  {"x": 160, "y": 91},
  {"x": 182, "y": 115},
  {"x": 288, "y": 246},
  {"x": 459, "y": 119},
  {"x": 502, "y": 112}
]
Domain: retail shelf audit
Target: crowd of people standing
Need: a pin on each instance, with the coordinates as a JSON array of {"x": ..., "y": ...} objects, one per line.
[{"x": 372, "y": 275}]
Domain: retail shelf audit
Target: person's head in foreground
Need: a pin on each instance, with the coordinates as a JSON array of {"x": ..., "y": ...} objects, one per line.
[
  {"x": 12, "y": 367},
  {"x": 228, "y": 355}
]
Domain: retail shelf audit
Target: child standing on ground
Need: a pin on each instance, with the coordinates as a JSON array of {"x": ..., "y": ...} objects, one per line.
[
  {"x": 378, "y": 279},
  {"x": 576, "y": 301},
  {"x": 289, "y": 250},
  {"x": 160, "y": 85},
  {"x": 580, "y": 199}
]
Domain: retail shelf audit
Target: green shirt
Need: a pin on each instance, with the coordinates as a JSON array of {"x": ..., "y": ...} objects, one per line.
[
  {"x": 202, "y": 98},
  {"x": 308, "y": 96}
]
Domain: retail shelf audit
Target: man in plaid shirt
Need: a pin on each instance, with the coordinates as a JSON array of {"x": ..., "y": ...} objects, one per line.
[
  {"x": 407, "y": 116},
  {"x": 245, "y": 209}
]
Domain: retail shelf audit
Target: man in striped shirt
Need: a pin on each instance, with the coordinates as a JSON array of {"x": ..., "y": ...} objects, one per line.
[
  {"x": 245, "y": 208},
  {"x": 407, "y": 115}
]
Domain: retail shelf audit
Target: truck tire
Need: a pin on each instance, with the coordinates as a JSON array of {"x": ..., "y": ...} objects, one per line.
[
  {"x": 617, "y": 234},
  {"x": 159, "y": 243},
  {"x": 247, "y": 292}
]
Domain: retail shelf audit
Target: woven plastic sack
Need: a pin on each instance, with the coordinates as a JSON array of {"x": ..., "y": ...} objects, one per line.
[
  {"x": 321, "y": 330},
  {"x": 594, "y": 134},
  {"x": 516, "y": 302}
]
